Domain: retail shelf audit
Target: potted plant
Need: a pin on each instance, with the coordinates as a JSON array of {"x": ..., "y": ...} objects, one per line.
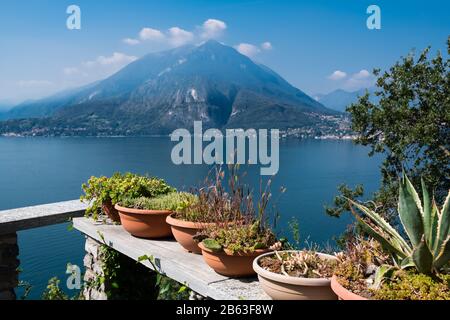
[
  {"x": 212, "y": 205},
  {"x": 296, "y": 275},
  {"x": 231, "y": 248},
  {"x": 417, "y": 267},
  {"x": 146, "y": 217},
  {"x": 103, "y": 193}
]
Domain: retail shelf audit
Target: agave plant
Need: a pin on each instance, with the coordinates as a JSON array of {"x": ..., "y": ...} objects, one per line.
[{"x": 427, "y": 228}]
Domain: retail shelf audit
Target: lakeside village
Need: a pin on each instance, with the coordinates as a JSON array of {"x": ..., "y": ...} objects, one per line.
[{"x": 329, "y": 127}]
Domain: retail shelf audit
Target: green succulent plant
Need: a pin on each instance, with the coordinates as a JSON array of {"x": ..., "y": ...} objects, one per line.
[
  {"x": 172, "y": 201},
  {"x": 427, "y": 229}
]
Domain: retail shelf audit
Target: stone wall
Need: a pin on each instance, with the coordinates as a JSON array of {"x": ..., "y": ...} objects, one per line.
[
  {"x": 93, "y": 264},
  {"x": 9, "y": 263}
]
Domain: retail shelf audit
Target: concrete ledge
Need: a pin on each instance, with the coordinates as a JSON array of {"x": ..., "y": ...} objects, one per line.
[
  {"x": 39, "y": 216},
  {"x": 173, "y": 261}
]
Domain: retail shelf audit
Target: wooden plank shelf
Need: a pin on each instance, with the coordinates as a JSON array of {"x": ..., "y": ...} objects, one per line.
[{"x": 173, "y": 261}]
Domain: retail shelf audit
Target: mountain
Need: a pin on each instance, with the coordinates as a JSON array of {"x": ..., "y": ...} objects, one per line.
[
  {"x": 164, "y": 91},
  {"x": 340, "y": 99},
  {"x": 6, "y": 105}
]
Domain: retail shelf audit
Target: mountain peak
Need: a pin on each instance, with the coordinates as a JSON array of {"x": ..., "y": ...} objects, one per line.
[{"x": 160, "y": 92}]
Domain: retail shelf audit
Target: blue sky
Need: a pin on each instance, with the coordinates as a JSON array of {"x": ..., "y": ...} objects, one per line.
[{"x": 309, "y": 40}]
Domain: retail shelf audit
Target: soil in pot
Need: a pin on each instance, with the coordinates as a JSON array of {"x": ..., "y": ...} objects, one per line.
[
  {"x": 229, "y": 264},
  {"x": 342, "y": 292},
  {"x": 150, "y": 224},
  {"x": 293, "y": 286},
  {"x": 184, "y": 231}
]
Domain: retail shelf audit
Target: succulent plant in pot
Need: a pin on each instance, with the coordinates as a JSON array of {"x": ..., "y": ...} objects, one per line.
[
  {"x": 213, "y": 205},
  {"x": 296, "y": 274},
  {"x": 231, "y": 248},
  {"x": 146, "y": 217},
  {"x": 423, "y": 254},
  {"x": 103, "y": 193}
]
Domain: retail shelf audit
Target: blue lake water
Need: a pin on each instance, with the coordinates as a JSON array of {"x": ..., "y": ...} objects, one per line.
[{"x": 43, "y": 170}]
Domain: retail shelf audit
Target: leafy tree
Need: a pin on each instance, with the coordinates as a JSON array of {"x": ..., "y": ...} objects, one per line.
[{"x": 409, "y": 125}]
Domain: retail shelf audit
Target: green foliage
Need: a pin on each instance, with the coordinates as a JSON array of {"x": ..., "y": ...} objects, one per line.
[
  {"x": 123, "y": 278},
  {"x": 427, "y": 228},
  {"x": 360, "y": 260},
  {"x": 167, "y": 288},
  {"x": 249, "y": 229},
  {"x": 409, "y": 125},
  {"x": 239, "y": 237},
  {"x": 53, "y": 291},
  {"x": 407, "y": 285},
  {"x": 100, "y": 190},
  {"x": 212, "y": 244},
  {"x": 174, "y": 201},
  {"x": 340, "y": 202}
]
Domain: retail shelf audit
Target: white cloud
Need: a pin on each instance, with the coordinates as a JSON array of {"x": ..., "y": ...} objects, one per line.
[
  {"x": 213, "y": 28},
  {"x": 178, "y": 37},
  {"x": 266, "y": 45},
  {"x": 363, "y": 74},
  {"x": 248, "y": 49},
  {"x": 337, "y": 75},
  {"x": 34, "y": 83},
  {"x": 151, "y": 34},
  {"x": 116, "y": 59},
  {"x": 131, "y": 41},
  {"x": 361, "y": 79}
]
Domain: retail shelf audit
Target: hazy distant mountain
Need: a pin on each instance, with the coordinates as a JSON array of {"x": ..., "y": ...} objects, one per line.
[
  {"x": 339, "y": 99},
  {"x": 5, "y": 105},
  {"x": 164, "y": 91}
]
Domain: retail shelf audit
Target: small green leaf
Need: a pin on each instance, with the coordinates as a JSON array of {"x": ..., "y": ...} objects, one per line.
[
  {"x": 259, "y": 245},
  {"x": 212, "y": 244}
]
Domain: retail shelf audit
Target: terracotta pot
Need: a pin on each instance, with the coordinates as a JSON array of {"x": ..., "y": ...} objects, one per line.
[
  {"x": 342, "y": 293},
  {"x": 110, "y": 211},
  {"x": 231, "y": 265},
  {"x": 149, "y": 224},
  {"x": 282, "y": 287},
  {"x": 184, "y": 231}
]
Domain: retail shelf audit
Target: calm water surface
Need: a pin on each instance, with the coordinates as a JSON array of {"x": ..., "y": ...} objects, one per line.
[{"x": 43, "y": 170}]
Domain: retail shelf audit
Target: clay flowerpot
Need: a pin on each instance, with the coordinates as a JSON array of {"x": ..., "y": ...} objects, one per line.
[
  {"x": 184, "y": 231},
  {"x": 149, "y": 224},
  {"x": 110, "y": 211},
  {"x": 229, "y": 264},
  {"x": 282, "y": 287},
  {"x": 342, "y": 293}
]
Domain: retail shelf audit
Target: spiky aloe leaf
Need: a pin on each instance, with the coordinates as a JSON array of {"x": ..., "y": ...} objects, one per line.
[
  {"x": 385, "y": 243},
  {"x": 399, "y": 242},
  {"x": 383, "y": 272},
  {"x": 422, "y": 257},
  {"x": 443, "y": 223},
  {"x": 434, "y": 226},
  {"x": 212, "y": 244},
  {"x": 407, "y": 263},
  {"x": 444, "y": 255},
  {"x": 409, "y": 212},
  {"x": 427, "y": 210}
]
